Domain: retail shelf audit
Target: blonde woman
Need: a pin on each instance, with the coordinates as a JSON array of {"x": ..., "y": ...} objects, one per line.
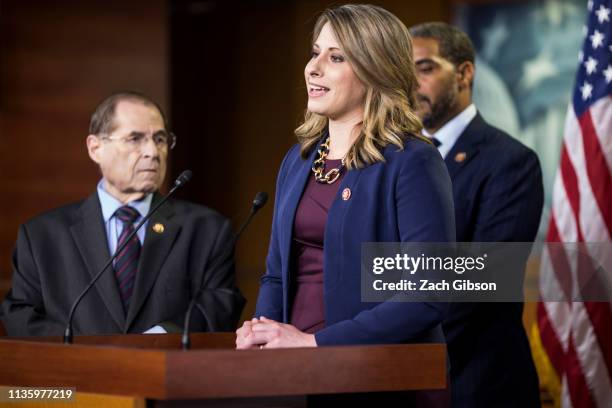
[{"x": 361, "y": 172}]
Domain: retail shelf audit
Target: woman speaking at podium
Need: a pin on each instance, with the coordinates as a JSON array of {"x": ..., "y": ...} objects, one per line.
[{"x": 361, "y": 172}]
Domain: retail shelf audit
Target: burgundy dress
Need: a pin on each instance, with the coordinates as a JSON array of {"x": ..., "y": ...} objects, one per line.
[{"x": 308, "y": 307}]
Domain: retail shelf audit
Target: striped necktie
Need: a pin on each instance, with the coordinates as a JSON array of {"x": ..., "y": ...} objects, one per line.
[{"x": 126, "y": 263}]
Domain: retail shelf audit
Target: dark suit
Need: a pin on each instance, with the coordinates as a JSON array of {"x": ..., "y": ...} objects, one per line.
[
  {"x": 59, "y": 252},
  {"x": 498, "y": 197},
  {"x": 394, "y": 201}
]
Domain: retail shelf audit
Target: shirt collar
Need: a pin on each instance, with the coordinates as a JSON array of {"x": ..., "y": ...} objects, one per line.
[
  {"x": 450, "y": 132},
  {"x": 110, "y": 204}
]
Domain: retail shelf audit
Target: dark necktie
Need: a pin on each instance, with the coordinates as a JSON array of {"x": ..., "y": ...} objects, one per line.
[
  {"x": 126, "y": 263},
  {"x": 436, "y": 142}
]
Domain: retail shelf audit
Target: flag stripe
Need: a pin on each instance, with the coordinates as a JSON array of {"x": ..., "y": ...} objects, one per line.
[
  {"x": 550, "y": 340},
  {"x": 601, "y": 114},
  {"x": 566, "y": 402},
  {"x": 562, "y": 211},
  {"x": 558, "y": 263},
  {"x": 599, "y": 312},
  {"x": 578, "y": 389},
  {"x": 597, "y": 169},
  {"x": 570, "y": 183},
  {"x": 557, "y": 313},
  {"x": 589, "y": 354}
]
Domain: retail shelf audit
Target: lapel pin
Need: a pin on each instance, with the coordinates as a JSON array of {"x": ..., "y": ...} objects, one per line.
[
  {"x": 460, "y": 157},
  {"x": 346, "y": 194},
  {"x": 159, "y": 228}
]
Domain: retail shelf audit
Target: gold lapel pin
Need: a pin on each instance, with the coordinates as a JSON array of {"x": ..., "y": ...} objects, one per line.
[
  {"x": 346, "y": 194},
  {"x": 159, "y": 228},
  {"x": 460, "y": 157}
]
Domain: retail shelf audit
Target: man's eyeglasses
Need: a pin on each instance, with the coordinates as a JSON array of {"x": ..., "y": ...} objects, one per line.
[{"x": 135, "y": 140}]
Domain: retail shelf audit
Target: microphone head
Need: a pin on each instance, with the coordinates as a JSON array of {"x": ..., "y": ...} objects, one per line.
[
  {"x": 260, "y": 200},
  {"x": 183, "y": 178}
]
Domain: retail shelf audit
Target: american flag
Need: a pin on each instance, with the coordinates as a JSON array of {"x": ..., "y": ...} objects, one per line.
[{"x": 577, "y": 336}]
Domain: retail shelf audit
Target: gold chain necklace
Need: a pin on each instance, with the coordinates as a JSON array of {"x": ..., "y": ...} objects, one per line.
[{"x": 319, "y": 165}]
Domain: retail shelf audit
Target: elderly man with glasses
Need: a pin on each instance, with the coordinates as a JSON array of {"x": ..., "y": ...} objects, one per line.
[{"x": 183, "y": 246}]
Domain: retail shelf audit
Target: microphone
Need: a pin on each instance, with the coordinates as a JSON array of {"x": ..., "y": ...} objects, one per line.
[
  {"x": 261, "y": 198},
  {"x": 258, "y": 202},
  {"x": 179, "y": 182},
  {"x": 182, "y": 179}
]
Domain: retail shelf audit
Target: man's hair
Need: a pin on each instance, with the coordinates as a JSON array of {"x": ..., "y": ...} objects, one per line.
[
  {"x": 454, "y": 44},
  {"x": 103, "y": 118}
]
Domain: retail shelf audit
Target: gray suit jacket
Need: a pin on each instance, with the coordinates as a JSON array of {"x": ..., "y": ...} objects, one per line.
[{"x": 59, "y": 252}]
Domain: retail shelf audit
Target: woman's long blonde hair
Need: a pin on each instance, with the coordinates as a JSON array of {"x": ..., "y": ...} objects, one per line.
[{"x": 378, "y": 47}]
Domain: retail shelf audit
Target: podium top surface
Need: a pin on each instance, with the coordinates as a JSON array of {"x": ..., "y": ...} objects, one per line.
[{"x": 154, "y": 366}]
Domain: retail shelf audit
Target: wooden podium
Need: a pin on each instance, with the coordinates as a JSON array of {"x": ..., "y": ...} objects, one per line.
[{"x": 153, "y": 371}]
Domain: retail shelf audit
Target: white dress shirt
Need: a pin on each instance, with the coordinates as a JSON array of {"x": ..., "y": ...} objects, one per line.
[{"x": 448, "y": 134}]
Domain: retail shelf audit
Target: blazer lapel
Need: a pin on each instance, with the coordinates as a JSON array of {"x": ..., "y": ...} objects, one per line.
[
  {"x": 90, "y": 238},
  {"x": 157, "y": 245},
  {"x": 299, "y": 174},
  {"x": 465, "y": 148}
]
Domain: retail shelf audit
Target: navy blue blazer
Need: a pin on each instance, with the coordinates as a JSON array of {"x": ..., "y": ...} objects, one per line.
[
  {"x": 498, "y": 196},
  {"x": 406, "y": 198}
]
